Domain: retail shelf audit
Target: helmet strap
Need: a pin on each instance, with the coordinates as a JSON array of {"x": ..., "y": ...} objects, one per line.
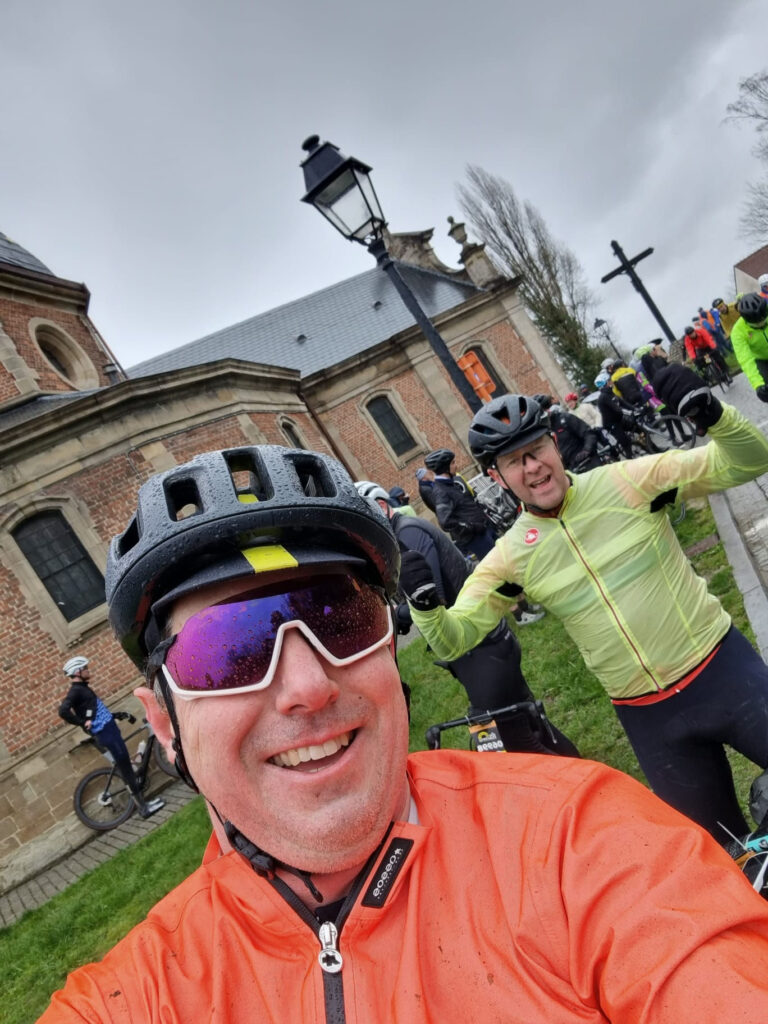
[
  {"x": 180, "y": 762},
  {"x": 263, "y": 863}
]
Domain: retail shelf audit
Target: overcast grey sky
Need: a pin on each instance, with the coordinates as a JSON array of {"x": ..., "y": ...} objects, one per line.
[{"x": 152, "y": 150}]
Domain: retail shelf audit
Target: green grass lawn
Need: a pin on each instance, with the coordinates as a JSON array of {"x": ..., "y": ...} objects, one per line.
[{"x": 84, "y": 921}]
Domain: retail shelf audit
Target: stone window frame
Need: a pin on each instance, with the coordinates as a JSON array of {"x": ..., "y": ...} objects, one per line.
[
  {"x": 81, "y": 373},
  {"x": 480, "y": 349},
  {"x": 76, "y": 515},
  {"x": 288, "y": 427},
  {"x": 420, "y": 445}
]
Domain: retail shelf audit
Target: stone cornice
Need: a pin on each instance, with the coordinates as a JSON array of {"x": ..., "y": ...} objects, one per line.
[
  {"x": 23, "y": 285},
  {"x": 131, "y": 397}
]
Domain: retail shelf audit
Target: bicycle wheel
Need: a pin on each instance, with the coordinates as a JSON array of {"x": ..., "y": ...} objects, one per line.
[
  {"x": 161, "y": 759},
  {"x": 717, "y": 375},
  {"x": 102, "y": 800},
  {"x": 670, "y": 432}
]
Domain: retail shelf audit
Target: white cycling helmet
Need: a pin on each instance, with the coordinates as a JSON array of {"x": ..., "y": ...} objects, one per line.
[
  {"x": 368, "y": 489},
  {"x": 763, "y": 282},
  {"x": 75, "y": 665}
]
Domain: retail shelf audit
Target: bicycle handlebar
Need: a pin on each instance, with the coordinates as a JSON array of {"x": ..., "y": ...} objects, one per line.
[{"x": 482, "y": 718}]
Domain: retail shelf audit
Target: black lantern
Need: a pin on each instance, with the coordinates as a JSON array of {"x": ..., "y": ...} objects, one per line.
[{"x": 340, "y": 188}]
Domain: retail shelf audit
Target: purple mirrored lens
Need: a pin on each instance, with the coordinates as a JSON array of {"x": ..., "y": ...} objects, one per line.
[{"x": 229, "y": 646}]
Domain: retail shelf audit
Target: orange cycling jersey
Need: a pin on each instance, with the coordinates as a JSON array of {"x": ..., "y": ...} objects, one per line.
[{"x": 530, "y": 889}]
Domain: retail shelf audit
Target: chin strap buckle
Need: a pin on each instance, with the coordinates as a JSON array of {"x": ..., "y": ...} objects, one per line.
[{"x": 263, "y": 864}]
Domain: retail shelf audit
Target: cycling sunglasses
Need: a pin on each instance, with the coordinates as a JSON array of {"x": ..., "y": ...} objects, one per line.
[{"x": 234, "y": 646}]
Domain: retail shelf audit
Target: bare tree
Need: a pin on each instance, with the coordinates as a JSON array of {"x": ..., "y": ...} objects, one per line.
[
  {"x": 553, "y": 286},
  {"x": 752, "y": 106}
]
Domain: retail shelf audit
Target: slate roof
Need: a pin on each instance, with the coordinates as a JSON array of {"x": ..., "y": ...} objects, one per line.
[
  {"x": 39, "y": 406},
  {"x": 13, "y": 253},
  {"x": 321, "y": 329},
  {"x": 755, "y": 264}
]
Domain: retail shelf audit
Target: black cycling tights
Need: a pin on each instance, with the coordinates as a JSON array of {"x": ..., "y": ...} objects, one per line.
[{"x": 679, "y": 741}]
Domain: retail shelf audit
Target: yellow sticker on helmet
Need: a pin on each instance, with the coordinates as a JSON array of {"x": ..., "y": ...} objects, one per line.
[{"x": 269, "y": 558}]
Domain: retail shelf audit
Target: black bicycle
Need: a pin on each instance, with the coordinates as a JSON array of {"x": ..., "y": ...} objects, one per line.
[
  {"x": 712, "y": 373},
  {"x": 102, "y": 799},
  {"x": 652, "y": 433}
]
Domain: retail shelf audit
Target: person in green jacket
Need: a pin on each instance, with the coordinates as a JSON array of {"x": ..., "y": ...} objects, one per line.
[
  {"x": 750, "y": 341},
  {"x": 598, "y": 551}
]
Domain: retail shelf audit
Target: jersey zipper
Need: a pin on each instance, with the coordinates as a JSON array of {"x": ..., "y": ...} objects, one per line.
[
  {"x": 610, "y": 607},
  {"x": 329, "y": 958}
]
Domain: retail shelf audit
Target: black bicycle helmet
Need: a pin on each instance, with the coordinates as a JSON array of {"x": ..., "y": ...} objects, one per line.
[
  {"x": 545, "y": 401},
  {"x": 439, "y": 460},
  {"x": 505, "y": 423},
  {"x": 194, "y": 521},
  {"x": 690, "y": 331},
  {"x": 753, "y": 308}
]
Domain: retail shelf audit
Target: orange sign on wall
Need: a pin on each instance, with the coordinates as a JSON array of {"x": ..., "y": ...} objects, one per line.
[{"x": 477, "y": 375}]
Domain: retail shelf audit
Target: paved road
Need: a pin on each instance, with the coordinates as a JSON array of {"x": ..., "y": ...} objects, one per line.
[{"x": 742, "y": 521}]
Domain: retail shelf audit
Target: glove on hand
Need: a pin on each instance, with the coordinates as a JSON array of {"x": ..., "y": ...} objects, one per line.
[
  {"x": 417, "y": 582},
  {"x": 685, "y": 393},
  {"x": 762, "y": 392}
]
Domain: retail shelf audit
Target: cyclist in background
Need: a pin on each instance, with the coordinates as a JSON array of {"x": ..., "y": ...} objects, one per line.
[
  {"x": 654, "y": 359},
  {"x": 615, "y": 414},
  {"x": 728, "y": 314},
  {"x": 598, "y": 551},
  {"x": 491, "y": 672},
  {"x": 576, "y": 442},
  {"x": 586, "y": 411},
  {"x": 625, "y": 384},
  {"x": 82, "y": 707},
  {"x": 750, "y": 341},
  {"x": 401, "y": 500},
  {"x": 457, "y": 511},
  {"x": 699, "y": 344}
]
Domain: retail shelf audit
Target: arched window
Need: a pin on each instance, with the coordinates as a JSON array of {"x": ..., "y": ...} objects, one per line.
[
  {"x": 64, "y": 567},
  {"x": 500, "y": 388},
  {"x": 397, "y": 435},
  {"x": 292, "y": 435}
]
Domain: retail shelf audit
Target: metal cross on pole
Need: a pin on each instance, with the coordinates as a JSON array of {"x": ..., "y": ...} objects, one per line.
[{"x": 627, "y": 266}]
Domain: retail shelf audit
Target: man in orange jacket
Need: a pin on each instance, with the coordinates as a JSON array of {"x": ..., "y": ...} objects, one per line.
[
  {"x": 699, "y": 344},
  {"x": 346, "y": 880}
]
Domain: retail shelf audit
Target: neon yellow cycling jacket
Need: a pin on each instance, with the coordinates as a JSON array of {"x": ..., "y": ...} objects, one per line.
[
  {"x": 750, "y": 344},
  {"x": 611, "y": 568}
]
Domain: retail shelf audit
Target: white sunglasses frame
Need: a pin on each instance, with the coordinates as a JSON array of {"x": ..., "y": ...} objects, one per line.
[{"x": 307, "y": 633}]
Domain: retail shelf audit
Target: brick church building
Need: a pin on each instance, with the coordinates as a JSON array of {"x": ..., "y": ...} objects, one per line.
[{"x": 344, "y": 370}]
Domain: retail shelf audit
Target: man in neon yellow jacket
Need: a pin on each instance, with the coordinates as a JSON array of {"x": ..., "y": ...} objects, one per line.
[
  {"x": 598, "y": 551},
  {"x": 750, "y": 341}
]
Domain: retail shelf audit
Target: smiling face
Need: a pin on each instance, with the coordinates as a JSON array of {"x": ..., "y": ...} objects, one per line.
[
  {"x": 534, "y": 472},
  {"x": 311, "y": 768}
]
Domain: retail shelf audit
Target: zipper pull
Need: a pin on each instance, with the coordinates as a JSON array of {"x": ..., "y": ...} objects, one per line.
[{"x": 329, "y": 957}]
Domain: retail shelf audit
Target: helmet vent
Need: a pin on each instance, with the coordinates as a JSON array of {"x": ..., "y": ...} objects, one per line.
[
  {"x": 183, "y": 499},
  {"x": 247, "y": 476},
  {"x": 129, "y": 538},
  {"x": 314, "y": 479}
]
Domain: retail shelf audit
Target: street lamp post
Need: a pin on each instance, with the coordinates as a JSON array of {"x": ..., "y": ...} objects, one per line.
[
  {"x": 341, "y": 189},
  {"x": 606, "y": 333}
]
